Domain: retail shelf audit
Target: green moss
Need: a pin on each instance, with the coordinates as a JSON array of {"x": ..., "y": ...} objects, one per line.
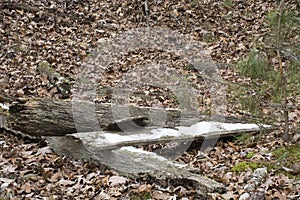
[
  {"x": 195, "y": 3},
  {"x": 228, "y": 3},
  {"x": 284, "y": 156},
  {"x": 250, "y": 155},
  {"x": 140, "y": 196},
  {"x": 244, "y": 166},
  {"x": 208, "y": 37}
]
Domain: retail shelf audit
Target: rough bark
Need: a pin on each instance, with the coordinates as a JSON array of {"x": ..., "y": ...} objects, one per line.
[
  {"x": 138, "y": 164},
  {"x": 4, "y": 98},
  {"x": 47, "y": 117}
]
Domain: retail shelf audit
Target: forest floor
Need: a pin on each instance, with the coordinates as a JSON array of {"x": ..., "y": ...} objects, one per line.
[{"x": 66, "y": 33}]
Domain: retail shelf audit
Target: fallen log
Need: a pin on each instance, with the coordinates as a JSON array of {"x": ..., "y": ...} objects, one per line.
[
  {"x": 138, "y": 164},
  {"x": 58, "y": 117},
  {"x": 48, "y": 117},
  {"x": 105, "y": 140},
  {"x": 76, "y": 124}
]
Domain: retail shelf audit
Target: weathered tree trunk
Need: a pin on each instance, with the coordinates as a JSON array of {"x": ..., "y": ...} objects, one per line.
[
  {"x": 139, "y": 164},
  {"x": 108, "y": 147},
  {"x": 47, "y": 117}
]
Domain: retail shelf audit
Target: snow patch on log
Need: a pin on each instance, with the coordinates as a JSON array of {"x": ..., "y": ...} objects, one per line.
[{"x": 111, "y": 140}]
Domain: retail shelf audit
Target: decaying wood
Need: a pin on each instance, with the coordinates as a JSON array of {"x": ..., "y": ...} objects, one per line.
[
  {"x": 46, "y": 117},
  {"x": 144, "y": 136},
  {"x": 50, "y": 117},
  {"x": 71, "y": 128},
  {"x": 4, "y": 98},
  {"x": 138, "y": 164}
]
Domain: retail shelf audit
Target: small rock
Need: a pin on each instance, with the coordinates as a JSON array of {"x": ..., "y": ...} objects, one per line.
[
  {"x": 3, "y": 186},
  {"x": 258, "y": 196},
  {"x": 117, "y": 180},
  {"x": 296, "y": 168},
  {"x": 259, "y": 174},
  {"x": 20, "y": 93},
  {"x": 249, "y": 187},
  {"x": 296, "y": 138},
  {"x": 245, "y": 196},
  {"x": 44, "y": 150},
  {"x": 104, "y": 196},
  {"x": 229, "y": 195}
]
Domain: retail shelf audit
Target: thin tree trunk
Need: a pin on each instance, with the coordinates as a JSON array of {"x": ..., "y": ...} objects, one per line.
[{"x": 283, "y": 78}]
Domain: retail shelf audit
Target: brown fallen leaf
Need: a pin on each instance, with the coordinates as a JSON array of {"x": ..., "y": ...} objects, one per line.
[
  {"x": 229, "y": 196},
  {"x": 64, "y": 182},
  {"x": 231, "y": 144},
  {"x": 55, "y": 177},
  {"x": 105, "y": 180},
  {"x": 279, "y": 195},
  {"x": 160, "y": 196},
  {"x": 26, "y": 188},
  {"x": 144, "y": 188}
]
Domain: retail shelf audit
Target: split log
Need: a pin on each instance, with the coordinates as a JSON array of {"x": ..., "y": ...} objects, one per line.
[
  {"x": 4, "y": 98},
  {"x": 48, "y": 117},
  {"x": 138, "y": 164},
  {"x": 58, "y": 117},
  {"x": 182, "y": 134}
]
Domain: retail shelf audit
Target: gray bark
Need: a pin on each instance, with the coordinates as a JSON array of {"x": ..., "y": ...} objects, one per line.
[
  {"x": 139, "y": 165},
  {"x": 48, "y": 117}
]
